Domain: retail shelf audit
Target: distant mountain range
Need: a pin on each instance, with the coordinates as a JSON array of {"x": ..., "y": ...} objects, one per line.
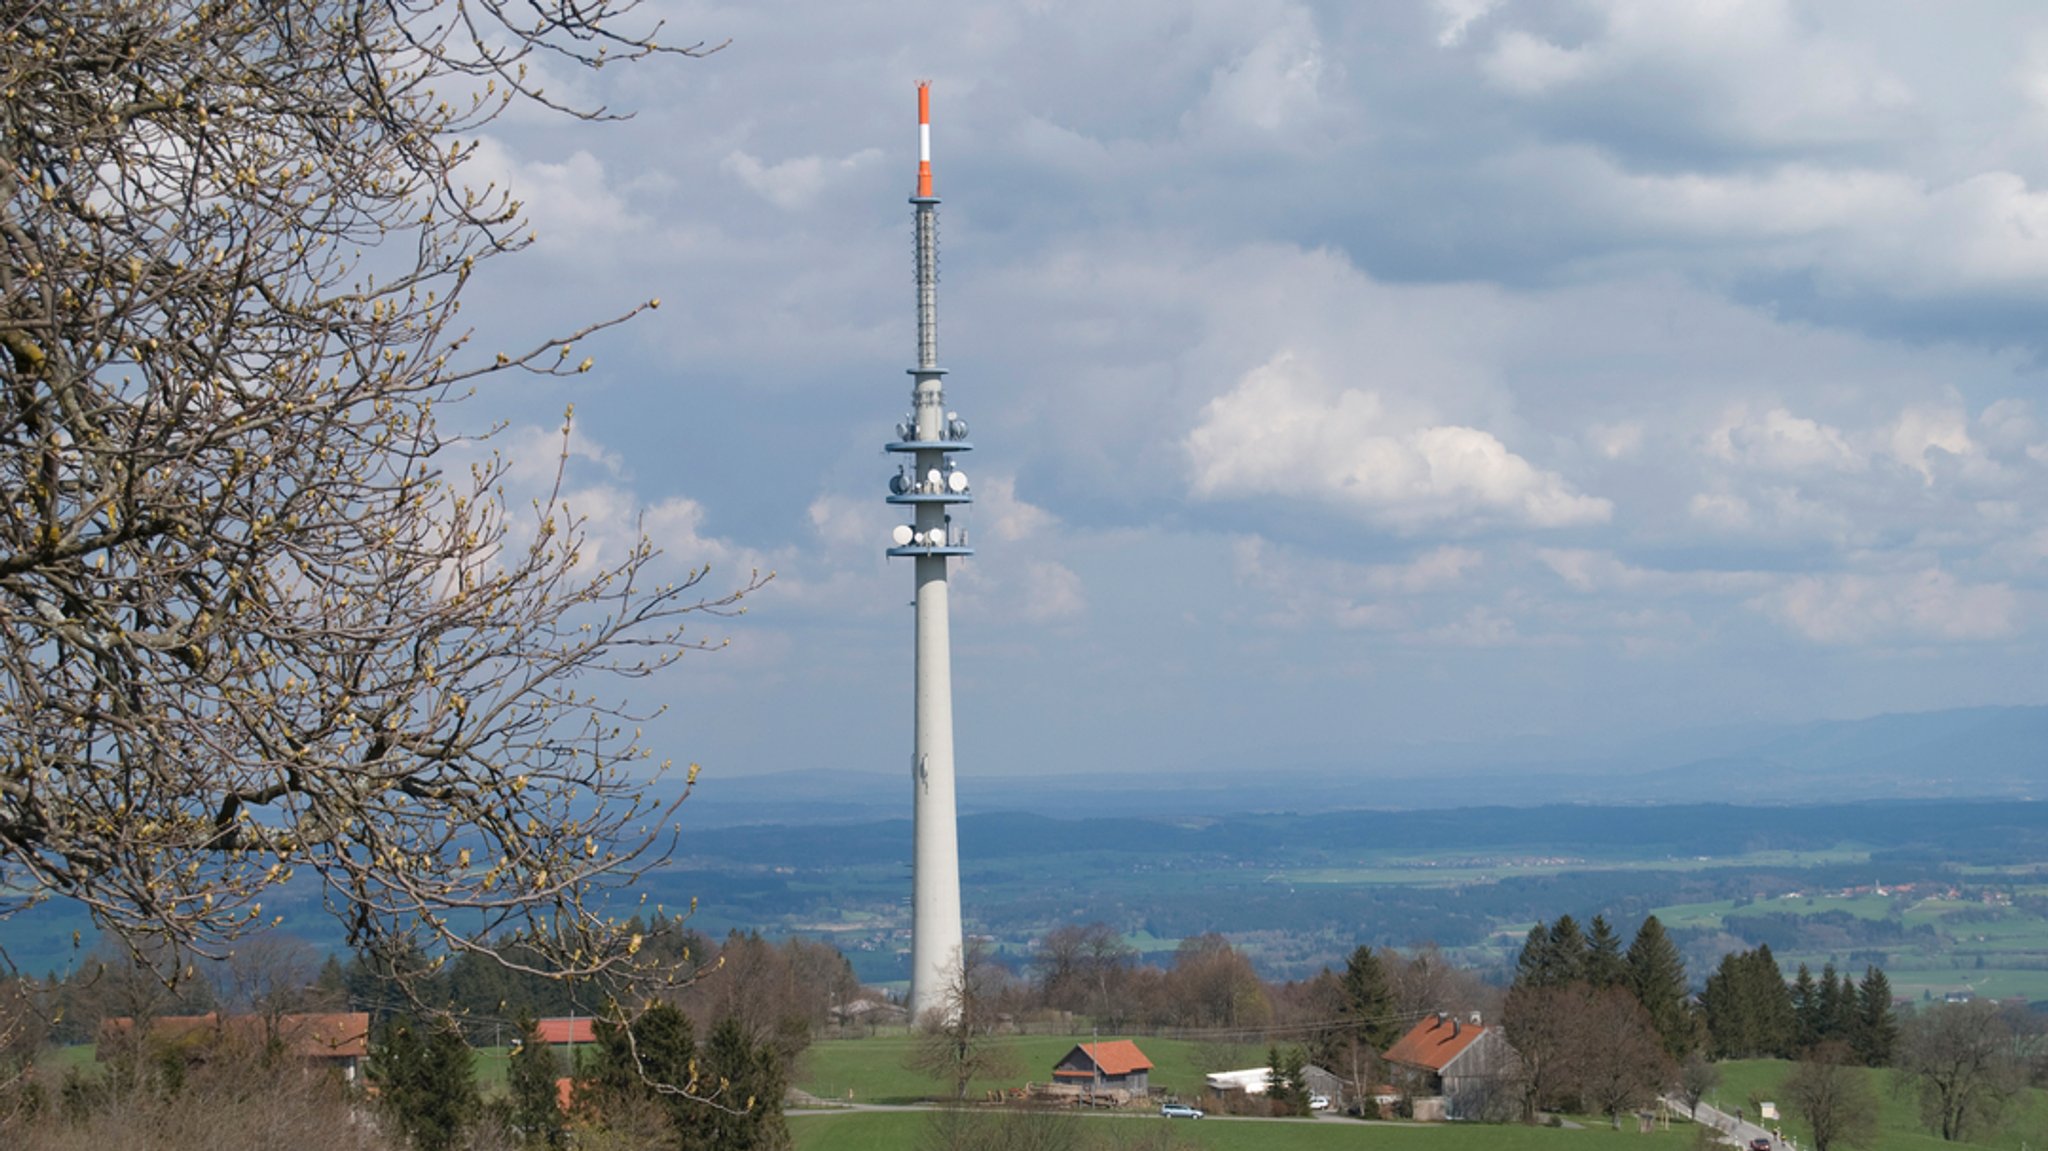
[{"x": 1991, "y": 752}]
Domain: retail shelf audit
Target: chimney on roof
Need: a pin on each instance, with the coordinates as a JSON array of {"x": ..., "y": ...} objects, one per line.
[
  {"x": 1454, "y": 1029},
  {"x": 1438, "y": 1022},
  {"x": 1475, "y": 1019}
]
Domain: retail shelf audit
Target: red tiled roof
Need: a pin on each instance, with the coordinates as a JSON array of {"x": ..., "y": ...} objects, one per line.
[
  {"x": 575, "y": 1029},
  {"x": 1116, "y": 1057},
  {"x": 1434, "y": 1042}
]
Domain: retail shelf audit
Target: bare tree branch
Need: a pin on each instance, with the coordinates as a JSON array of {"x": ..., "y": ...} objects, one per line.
[{"x": 254, "y": 627}]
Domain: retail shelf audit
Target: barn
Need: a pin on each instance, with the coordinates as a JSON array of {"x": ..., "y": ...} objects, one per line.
[
  {"x": 1115, "y": 1064},
  {"x": 1455, "y": 1068}
]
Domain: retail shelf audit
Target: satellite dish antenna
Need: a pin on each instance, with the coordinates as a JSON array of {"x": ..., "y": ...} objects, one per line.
[
  {"x": 957, "y": 482},
  {"x": 897, "y": 484},
  {"x": 934, "y": 481},
  {"x": 902, "y": 535},
  {"x": 956, "y": 427}
]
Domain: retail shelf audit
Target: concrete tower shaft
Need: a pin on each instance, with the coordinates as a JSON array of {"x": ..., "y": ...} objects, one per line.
[{"x": 931, "y": 486}]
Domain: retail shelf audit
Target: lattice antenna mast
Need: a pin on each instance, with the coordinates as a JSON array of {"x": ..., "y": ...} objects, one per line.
[{"x": 930, "y": 486}]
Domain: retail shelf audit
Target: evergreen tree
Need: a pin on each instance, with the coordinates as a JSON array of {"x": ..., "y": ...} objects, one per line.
[
  {"x": 1293, "y": 1069},
  {"x": 637, "y": 1061},
  {"x": 1276, "y": 1079},
  {"x": 1748, "y": 1007},
  {"x": 1604, "y": 965},
  {"x": 530, "y": 1082},
  {"x": 1807, "y": 1012},
  {"x": 1568, "y": 951},
  {"x": 744, "y": 1083},
  {"x": 332, "y": 983},
  {"x": 426, "y": 1079},
  {"x": 1828, "y": 1005},
  {"x": 1369, "y": 1000},
  {"x": 1766, "y": 982},
  {"x": 1877, "y": 1029},
  {"x": 1533, "y": 966},
  {"x": 1848, "y": 1011},
  {"x": 1656, "y": 973}
]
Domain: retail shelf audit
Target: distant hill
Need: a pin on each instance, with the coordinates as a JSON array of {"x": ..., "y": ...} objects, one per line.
[{"x": 1992, "y": 752}]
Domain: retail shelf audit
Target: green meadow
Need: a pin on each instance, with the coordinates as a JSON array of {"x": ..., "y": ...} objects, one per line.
[
  {"x": 1899, "y": 1129},
  {"x": 872, "y": 1070}
]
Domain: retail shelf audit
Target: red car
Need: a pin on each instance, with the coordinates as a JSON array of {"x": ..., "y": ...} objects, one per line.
[{"x": 1760, "y": 1144}]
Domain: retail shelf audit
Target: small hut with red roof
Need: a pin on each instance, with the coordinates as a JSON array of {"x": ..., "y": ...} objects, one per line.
[{"x": 1114, "y": 1064}]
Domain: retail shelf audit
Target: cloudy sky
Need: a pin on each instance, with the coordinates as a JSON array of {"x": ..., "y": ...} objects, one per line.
[{"x": 1344, "y": 378}]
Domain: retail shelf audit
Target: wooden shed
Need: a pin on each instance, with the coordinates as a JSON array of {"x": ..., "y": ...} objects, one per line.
[{"x": 1114, "y": 1064}]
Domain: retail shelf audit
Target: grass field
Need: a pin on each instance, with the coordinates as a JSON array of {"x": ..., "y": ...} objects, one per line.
[
  {"x": 824, "y": 1131},
  {"x": 872, "y": 1070},
  {"x": 2025, "y": 1129}
]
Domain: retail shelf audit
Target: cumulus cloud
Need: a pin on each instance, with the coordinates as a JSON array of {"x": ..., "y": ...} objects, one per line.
[
  {"x": 1009, "y": 517},
  {"x": 796, "y": 183},
  {"x": 1458, "y": 17},
  {"x": 1529, "y": 65},
  {"x": 1779, "y": 441},
  {"x": 1281, "y": 432},
  {"x": 1929, "y": 605},
  {"x": 1616, "y": 441},
  {"x": 1750, "y": 73},
  {"x": 1052, "y": 592},
  {"x": 1598, "y": 572},
  {"x": 569, "y": 203},
  {"x": 1272, "y": 87},
  {"x": 1921, "y": 432}
]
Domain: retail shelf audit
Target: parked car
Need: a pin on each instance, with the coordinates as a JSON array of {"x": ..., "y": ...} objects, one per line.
[
  {"x": 1179, "y": 1111},
  {"x": 1319, "y": 1103}
]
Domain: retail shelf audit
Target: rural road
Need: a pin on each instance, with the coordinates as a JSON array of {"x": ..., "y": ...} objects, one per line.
[{"x": 1733, "y": 1131}]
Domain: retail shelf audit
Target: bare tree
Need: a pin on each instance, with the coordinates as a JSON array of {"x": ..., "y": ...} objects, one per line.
[
  {"x": 956, "y": 1041},
  {"x": 1083, "y": 967},
  {"x": 1426, "y": 981},
  {"x": 1617, "y": 1062},
  {"x": 270, "y": 976},
  {"x": 1212, "y": 984},
  {"x": 1959, "y": 1059},
  {"x": 254, "y": 624},
  {"x": 1541, "y": 1026},
  {"x": 1831, "y": 1093},
  {"x": 1697, "y": 1076}
]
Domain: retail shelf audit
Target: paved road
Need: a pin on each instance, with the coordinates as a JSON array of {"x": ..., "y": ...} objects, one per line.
[{"x": 1734, "y": 1132}]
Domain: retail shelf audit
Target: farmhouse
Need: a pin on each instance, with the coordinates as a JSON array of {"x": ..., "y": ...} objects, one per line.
[
  {"x": 339, "y": 1040},
  {"x": 1454, "y": 1068},
  {"x": 1103, "y": 1066}
]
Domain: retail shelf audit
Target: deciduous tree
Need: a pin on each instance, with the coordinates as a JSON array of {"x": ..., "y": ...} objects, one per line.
[
  {"x": 1697, "y": 1076},
  {"x": 1832, "y": 1096},
  {"x": 260, "y": 619},
  {"x": 1958, "y": 1058},
  {"x": 955, "y": 1042},
  {"x": 1617, "y": 1063}
]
